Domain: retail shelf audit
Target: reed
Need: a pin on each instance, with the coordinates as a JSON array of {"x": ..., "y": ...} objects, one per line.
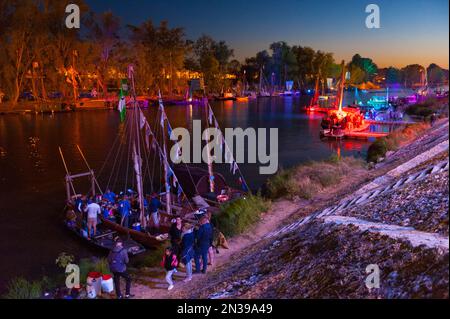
[{"x": 20, "y": 288}]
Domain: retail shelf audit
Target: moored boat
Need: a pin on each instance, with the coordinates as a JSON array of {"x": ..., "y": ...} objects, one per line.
[
  {"x": 105, "y": 238},
  {"x": 227, "y": 96}
]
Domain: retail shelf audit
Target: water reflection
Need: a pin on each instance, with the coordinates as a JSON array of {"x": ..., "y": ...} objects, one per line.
[{"x": 31, "y": 172}]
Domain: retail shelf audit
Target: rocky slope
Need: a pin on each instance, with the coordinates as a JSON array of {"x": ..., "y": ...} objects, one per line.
[{"x": 322, "y": 259}]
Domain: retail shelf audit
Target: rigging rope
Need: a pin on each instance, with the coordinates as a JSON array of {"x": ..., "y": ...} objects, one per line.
[{"x": 226, "y": 145}]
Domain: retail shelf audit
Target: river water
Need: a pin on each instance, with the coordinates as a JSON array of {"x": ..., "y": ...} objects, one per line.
[{"x": 32, "y": 190}]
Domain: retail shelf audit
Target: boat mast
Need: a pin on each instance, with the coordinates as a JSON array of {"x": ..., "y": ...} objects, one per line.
[
  {"x": 137, "y": 149},
  {"x": 341, "y": 88},
  {"x": 210, "y": 165},
  {"x": 243, "y": 84},
  {"x": 316, "y": 92},
  {"x": 166, "y": 162}
]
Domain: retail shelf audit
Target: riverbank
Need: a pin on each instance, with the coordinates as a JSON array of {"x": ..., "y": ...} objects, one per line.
[{"x": 327, "y": 257}]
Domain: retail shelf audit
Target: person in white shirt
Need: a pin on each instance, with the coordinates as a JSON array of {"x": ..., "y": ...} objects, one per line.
[{"x": 92, "y": 210}]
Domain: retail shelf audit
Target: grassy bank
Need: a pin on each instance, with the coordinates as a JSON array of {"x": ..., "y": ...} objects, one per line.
[
  {"x": 308, "y": 179},
  {"x": 237, "y": 216},
  {"x": 393, "y": 141},
  {"x": 21, "y": 288}
]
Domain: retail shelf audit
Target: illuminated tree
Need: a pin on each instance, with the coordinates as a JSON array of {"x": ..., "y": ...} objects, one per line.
[{"x": 365, "y": 64}]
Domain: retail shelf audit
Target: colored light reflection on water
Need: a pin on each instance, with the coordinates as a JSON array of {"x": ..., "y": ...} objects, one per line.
[{"x": 31, "y": 172}]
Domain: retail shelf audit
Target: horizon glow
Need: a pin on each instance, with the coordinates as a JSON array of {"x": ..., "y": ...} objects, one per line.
[{"x": 415, "y": 31}]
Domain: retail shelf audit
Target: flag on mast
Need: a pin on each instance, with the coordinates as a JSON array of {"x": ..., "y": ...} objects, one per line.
[{"x": 122, "y": 99}]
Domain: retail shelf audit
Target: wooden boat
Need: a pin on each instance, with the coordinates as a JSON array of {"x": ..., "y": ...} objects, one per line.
[
  {"x": 225, "y": 97},
  {"x": 142, "y": 237},
  {"x": 135, "y": 123},
  {"x": 104, "y": 239},
  {"x": 332, "y": 134},
  {"x": 242, "y": 98}
]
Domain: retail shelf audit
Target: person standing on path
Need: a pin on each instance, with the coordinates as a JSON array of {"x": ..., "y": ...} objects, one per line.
[
  {"x": 170, "y": 263},
  {"x": 175, "y": 235},
  {"x": 187, "y": 249},
  {"x": 118, "y": 260},
  {"x": 203, "y": 242}
]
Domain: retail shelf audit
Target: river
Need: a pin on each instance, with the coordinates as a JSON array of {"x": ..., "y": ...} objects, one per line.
[{"x": 32, "y": 187}]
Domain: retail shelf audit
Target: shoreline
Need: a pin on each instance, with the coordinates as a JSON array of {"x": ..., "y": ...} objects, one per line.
[
  {"x": 282, "y": 213},
  {"x": 290, "y": 211}
]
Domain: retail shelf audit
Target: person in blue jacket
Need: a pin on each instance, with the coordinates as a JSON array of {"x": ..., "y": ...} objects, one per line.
[
  {"x": 110, "y": 196},
  {"x": 125, "y": 210},
  {"x": 203, "y": 242},
  {"x": 187, "y": 249}
]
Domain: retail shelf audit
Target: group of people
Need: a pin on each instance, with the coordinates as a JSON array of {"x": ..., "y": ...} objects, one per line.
[
  {"x": 348, "y": 122},
  {"x": 189, "y": 243},
  {"x": 123, "y": 209},
  {"x": 390, "y": 115}
]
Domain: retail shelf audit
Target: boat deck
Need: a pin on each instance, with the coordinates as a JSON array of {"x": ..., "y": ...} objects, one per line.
[
  {"x": 364, "y": 135},
  {"x": 390, "y": 122}
]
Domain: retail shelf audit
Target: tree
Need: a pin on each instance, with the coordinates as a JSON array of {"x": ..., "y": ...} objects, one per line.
[
  {"x": 104, "y": 34},
  {"x": 284, "y": 61},
  {"x": 393, "y": 75},
  {"x": 322, "y": 62},
  {"x": 412, "y": 74},
  {"x": 213, "y": 59},
  {"x": 159, "y": 53},
  {"x": 20, "y": 42},
  {"x": 305, "y": 58},
  {"x": 436, "y": 74},
  {"x": 357, "y": 75},
  {"x": 365, "y": 64}
]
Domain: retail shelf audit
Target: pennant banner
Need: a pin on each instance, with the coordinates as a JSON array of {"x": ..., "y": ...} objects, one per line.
[
  {"x": 147, "y": 135},
  {"x": 143, "y": 120}
]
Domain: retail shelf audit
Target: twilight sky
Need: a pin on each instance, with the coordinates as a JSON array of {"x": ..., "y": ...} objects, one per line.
[{"x": 412, "y": 31}]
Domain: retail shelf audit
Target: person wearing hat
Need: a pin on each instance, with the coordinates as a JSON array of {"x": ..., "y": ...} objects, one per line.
[
  {"x": 187, "y": 249},
  {"x": 118, "y": 260}
]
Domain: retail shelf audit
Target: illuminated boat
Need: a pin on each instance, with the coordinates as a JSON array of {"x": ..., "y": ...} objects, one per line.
[
  {"x": 227, "y": 96},
  {"x": 342, "y": 120}
]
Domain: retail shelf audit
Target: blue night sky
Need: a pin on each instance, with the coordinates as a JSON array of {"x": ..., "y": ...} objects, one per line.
[{"x": 412, "y": 31}]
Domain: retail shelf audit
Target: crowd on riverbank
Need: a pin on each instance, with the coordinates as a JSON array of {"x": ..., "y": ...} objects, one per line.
[{"x": 328, "y": 260}]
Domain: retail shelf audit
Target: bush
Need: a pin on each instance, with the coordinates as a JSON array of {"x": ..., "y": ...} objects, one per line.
[
  {"x": 308, "y": 179},
  {"x": 278, "y": 184},
  {"x": 236, "y": 216},
  {"x": 427, "y": 108},
  {"x": 20, "y": 288},
  {"x": 419, "y": 110},
  {"x": 150, "y": 258},
  {"x": 377, "y": 150},
  {"x": 393, "y": 141}
]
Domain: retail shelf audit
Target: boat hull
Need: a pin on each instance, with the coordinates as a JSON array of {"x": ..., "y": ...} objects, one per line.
[
  {"x": 145, "y": 239},
  {"x": 106, "y": 241}
]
